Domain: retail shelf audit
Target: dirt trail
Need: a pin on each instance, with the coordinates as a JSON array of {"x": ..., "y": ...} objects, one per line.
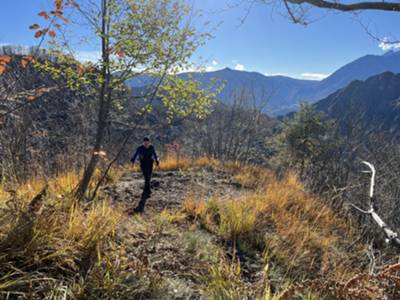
[
  {"x": 170, "y": 188},
  {"x": 176, "y": 253}
]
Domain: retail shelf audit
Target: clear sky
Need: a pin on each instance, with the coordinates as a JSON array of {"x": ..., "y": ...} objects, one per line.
[{"x": 266, "y": 42}]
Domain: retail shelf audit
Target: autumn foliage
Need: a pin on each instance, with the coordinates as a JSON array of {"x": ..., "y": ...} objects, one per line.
[
  {"x": 4, "y": 61},
  {"x": 53, "y": 17}
]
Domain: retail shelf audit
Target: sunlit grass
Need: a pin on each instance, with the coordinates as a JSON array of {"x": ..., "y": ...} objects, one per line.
[
  {"x": 224, "y": 281},
  {"x": 76, "y": 248},
  {"x": 299, "y": 232},
  {"x": 171, "y": 163},
  {"x": 61, "y": 247}
]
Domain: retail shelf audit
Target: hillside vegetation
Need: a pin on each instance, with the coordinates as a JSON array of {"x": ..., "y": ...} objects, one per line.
[
  {"x": 243, "y": 205},
  {"x": 270, "y": 238}
]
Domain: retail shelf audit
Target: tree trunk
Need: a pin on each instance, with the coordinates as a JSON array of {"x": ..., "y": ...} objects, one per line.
[{"x": 105, "y": 98}]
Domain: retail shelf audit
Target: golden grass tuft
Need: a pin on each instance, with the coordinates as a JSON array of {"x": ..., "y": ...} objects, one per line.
[
  {"x": 304, "y": 237},
  {"x": 172, "y": 164},
  {"x": 224, "y": 281}
]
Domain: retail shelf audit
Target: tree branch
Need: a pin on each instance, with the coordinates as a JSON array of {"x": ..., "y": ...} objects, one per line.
[{"x": 386, "y": 6}]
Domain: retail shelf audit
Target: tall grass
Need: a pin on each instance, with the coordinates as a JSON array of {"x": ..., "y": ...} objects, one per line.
[
  {"x": 61, "y": 249},
  {"x": 304, "y": 237}
]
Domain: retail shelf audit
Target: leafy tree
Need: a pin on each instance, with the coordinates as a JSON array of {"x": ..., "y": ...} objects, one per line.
[
  {"x": 135, "y": 37},
  {"x": 306, "y": 138}
]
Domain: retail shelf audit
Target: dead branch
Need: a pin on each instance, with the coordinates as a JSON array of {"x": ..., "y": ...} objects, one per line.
[
  {"x": 391, "y": 236},
  {"x": 381, "y": 5}
]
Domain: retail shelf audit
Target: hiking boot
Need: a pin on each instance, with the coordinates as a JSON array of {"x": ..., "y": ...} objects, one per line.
[{"x": 138, "y": 210}]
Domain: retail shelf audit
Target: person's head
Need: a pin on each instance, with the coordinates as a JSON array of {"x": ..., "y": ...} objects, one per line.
[{"x": 146, "y": 142}]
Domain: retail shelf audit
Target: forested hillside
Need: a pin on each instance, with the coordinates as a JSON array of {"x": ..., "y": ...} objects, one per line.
[{"x": 371, "y": 105}]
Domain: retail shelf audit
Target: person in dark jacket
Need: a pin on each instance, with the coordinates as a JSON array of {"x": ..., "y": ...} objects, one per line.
[{"x": 147, "y": 156}]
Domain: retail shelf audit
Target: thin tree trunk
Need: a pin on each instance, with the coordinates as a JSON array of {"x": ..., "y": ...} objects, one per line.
[{"x": 105, "y": 98}]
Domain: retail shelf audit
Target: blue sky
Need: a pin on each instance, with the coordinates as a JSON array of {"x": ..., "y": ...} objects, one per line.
[{"x": 267, "y": 42}]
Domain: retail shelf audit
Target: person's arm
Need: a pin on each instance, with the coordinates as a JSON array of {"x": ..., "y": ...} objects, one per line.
[
  {"x": 155, "y": 156},
  {"x": 133, "y": 159}
]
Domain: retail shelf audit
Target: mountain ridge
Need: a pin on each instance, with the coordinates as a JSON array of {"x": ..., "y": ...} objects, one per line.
[
  {"x": 371, "y": 105},
  {"x": 282, "y": 93}
]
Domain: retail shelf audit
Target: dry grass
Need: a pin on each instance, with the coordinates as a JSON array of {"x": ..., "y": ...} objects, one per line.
[
  {"x": 171, "y": 163},
  {"x": 302, "y": 236},
  {"x": 61, "y": 249},
  {"x": 224, "y": 282}
]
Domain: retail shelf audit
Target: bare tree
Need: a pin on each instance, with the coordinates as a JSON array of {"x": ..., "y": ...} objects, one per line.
[
  {"x": 46, "y": 123},
  {"x": 235, "y": 131}
]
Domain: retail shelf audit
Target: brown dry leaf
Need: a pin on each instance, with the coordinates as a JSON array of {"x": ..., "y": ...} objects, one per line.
[
  {"x": 34, "y": 27},
  {"x": 5, "y": 59},
  {"x": 58, "y": 4},
  {"x": 52, "y": 34},
  {"x": 57, "y": 13},
  {"x": 26, "y": 60},
  {"x": 38, "y": 33},
  {"x": 44, "y": 14}
]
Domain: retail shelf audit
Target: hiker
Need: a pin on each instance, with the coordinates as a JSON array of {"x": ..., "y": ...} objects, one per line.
[{"x": 147, "y": 155}]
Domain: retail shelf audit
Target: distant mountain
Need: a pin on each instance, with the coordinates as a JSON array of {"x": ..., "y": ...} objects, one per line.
[
  {"x": 372, "y": 105},
  {"x": 360, "y": 69},
  {"x": 281, "y": 94},
  {"x": 273, "y": 93}
]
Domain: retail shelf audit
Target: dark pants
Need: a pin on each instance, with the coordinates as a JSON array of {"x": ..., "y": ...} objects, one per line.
[{"x": 147, "y": 171}]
